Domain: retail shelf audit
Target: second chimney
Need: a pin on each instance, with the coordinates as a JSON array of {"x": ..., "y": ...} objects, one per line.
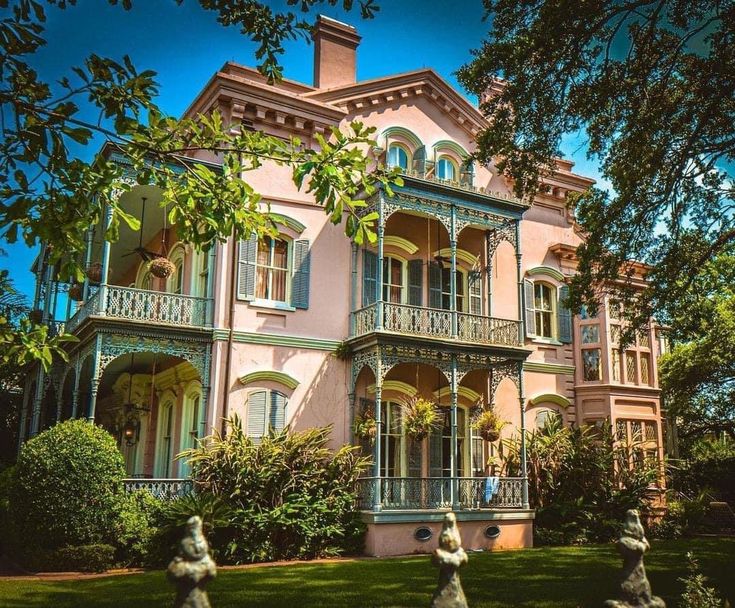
[{"x": 335, "y": 56}]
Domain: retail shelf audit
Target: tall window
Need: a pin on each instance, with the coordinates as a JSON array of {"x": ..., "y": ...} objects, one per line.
[
  {"x": 544, "y": 303},
  {"x": 645, "y": 368},
  {"x": 446, "y": 169},
  {"x": 165, "y": 438},
  {"x": 271, "y": 278},
  {"x": 393, "y": 280},
  {"x": 447, "y": 290},
  {"x": 202, "y": 276},
  {"x": 630, "y": 367},
  {"x": 397, "y": 156},
  {"x": 591, "y": 364},
  {"x": 440, "y": 445},
  {"x": 615, "y": 357},
  {"x": 391, "y": 437}
]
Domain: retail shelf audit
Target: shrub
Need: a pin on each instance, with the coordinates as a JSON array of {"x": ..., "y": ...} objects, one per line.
[
  {"x": 696, "y": 592},
  {"x": 286, "y": 497},
  {"x": 84, "y": 558},
  {"x": 67, "y": 490},
  {"x": 141, "y": 515}
]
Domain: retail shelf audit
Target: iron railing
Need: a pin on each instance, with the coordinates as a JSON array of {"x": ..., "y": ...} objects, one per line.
[
  {"x": 436, "y": 323},
  {"x": 412, "y": 493},
  {"x": 88, "y": 308},
  {"x": 161, "y": 488}
]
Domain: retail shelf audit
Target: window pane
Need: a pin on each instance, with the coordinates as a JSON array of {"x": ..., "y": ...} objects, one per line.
[
  {"x": 264, "y": 251},
  {"x": 261, "y": 282},
  {"x": 615, "y": 334},
  {"x": 590, "y": 334},
  {"x": 445, "y": 169},
  {"x": 397, "y": 157},
  {"x": 280, "y": 254},
  {"x": 278, "y": 285},
  {"x": 591, "y": 363},
  {"x": 643, "y": 339},
  {"x": 615, "y": 359},
  {"x": 630, "y": 367},
  {"x": 645, "y": 373}
]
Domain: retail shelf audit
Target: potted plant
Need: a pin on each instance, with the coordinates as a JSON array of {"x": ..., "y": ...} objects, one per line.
[
  {"x": 161, "y": 267},
  {"x": 35, "y": 316},
  {"x": 420, "y": 417},
  {"x": 488, "y": 425},
  {"x": 94, "y": 272},
  {"x": 365, "y": 425},
  {"x": 76, "y": 292}
]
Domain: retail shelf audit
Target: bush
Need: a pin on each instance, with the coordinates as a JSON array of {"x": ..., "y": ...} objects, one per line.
[
  {"x": 683, "y": 517},
  {"x": 710, "y": 467},
  {"x": 84, "y": 558},
  {"x": 286, "y": 497},
  {"x": 696, "y": 592},
  {"x": 66, "y": 491},
  {"x": 141, "y": 515}
]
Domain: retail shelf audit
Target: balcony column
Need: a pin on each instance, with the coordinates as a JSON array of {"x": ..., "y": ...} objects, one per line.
[
  {"x": 87, "y": 262},
  {"x": 353, "y": 287},
  {"x": 521, "y": 295},
  {"x": 489, "y": 274},
  {"x": 39, "y": 277},
  {"x": 75, "y": 393},
  {"x": 453, "y": 275},
  {"x": 36, "y": 403},
  {"x": 378, "y": 504},
  {"x": 379, "y": 269},
  {"x": 105, "y": 264},
  {"x": 47, "y": 294},
  {"x": 94, "y": 385},
  {"x": 211, "y": 268},
  {"x": 454, "y": 493},
  {"x": 524, "y": 461}
]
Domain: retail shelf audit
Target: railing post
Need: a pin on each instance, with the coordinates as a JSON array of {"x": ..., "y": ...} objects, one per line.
[
  {"x": 524, "y": 461},
  {"x": 105, "y": 264},
  {"x": 453, "y": 276},
  {"x": 379, "y": 269},
  {"x": 453, "y": 491}
]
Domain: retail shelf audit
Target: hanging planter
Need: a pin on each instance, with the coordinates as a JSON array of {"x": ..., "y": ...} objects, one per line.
[
  {"x": 488, "y": 425},
  {"x": 35, "y": 316},
  {"x": 420, "y": 417},
  {"x": 365, "y": 425},
  {"x": 94, "y": 272},
  {"x": 76, "y": 292},
  {"x": 161, "y": 267}
]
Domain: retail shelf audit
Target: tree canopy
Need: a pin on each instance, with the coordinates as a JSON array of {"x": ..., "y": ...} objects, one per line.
[
  {"x": 651, "y": 84},
  {"x": 51, "y": 193}
]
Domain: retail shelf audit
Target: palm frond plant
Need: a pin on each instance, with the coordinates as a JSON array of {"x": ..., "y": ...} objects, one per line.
[
  {"x": 365, "y": 425},
  {"x": 488, "y": 425},
  {"x": 420, "y": 417}
]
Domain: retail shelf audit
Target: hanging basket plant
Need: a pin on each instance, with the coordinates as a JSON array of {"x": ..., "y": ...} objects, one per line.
[
  {"x": 94, "y": 272},
  {"x": 35, "y": 316},
  {"x": 488, "y": 425},
  {"x": 365, "y": 425},
  {"x": 76, "y": 292},
  {"x": 420, "y": 417},
  {"x": 161, "y": 267}
]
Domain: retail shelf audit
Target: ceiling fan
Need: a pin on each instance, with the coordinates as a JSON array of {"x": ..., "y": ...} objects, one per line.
[{"x": 144, "y": 253}]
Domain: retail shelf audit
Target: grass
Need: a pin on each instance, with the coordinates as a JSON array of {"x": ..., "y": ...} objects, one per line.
[{"x": 558, "y": 577}]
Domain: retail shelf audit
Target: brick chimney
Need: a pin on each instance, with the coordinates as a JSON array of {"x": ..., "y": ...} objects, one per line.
[{"x": 335, "y": 56}]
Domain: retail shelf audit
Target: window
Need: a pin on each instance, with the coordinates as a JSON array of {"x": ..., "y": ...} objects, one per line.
[
  {"x": 591, "y": 364},
  {"x": 644, "y": 340},
  {"x": 590, "y": 334},
  {"x": 440, "y": 445},
  {"x": 190, "y": 422},
  {"x": 630, "y": 367},
  {"x": 585, "y": 314},
  {"x": 640, "y": 438},
  {"x": 165, "y": 438},
  {"x": 615, "y": 334},
  {"x": 397, "y": 156},
  {"x": 615, "y": 358},
  {"x": 271, "y": 275},
  {"x": 202, "y": 274},
  {"x": 645, "y": 368},
  {"x": 544, "y": 417},
  {"x": 615, "y": 310},
  {"x": 391, "y": 438},
  {"x": 447, "y": 291},
  {"x": 393, "y": 280},
  {"x": 544, "y": 305},
  {"x": 266, "y": 412},
  {"x": 446, "y": 169}
]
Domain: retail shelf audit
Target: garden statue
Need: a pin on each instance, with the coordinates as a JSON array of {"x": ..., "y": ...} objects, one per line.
[
  {"x": 635, "y": 590},
  {"x": 449, "y": 556},
  {"x": 192, "y": 568}
]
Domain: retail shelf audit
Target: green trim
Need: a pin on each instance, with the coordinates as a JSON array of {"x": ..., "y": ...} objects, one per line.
[
  {"x": 289, "y": 222},
  {"x": 270, "y": 376},
  {"x": 462, "y": 391},
  {"x": 448, "y": 144},
  {"x": 550, "y": 398},
  {"x": 277, "y": 340},
  {"x": 410, "y": 136},
  {"x": 546, "y": 271},
  {"x": 462, "y": 254},
  {"x": 548, "y": 368},
  {"x": 394, "y": 385},
  {"x": 400, "y": 243}
]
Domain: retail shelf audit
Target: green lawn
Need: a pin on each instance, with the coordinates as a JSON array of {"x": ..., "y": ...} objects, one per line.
[{"x": 569, "y": 577}]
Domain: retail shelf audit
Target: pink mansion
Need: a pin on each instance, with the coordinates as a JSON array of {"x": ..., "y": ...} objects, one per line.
[{"x": 459, "y": 302}]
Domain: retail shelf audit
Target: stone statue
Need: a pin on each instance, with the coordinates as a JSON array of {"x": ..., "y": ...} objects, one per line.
[
  {"x": 449, "y": 557},
  {"x": 635, "y": 590},
  {"x": 192, "y": 568}
]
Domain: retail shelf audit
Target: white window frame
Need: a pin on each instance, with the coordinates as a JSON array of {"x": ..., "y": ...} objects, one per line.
[
  {"x": 553, "y": 312},
  {"x": 165, "y": 457},
  {"x": 269, "y": 302},
  {"x": 406, "y": 151},
  {"x": 404, "y": 277},
  {"x": 190, "y": 422}
]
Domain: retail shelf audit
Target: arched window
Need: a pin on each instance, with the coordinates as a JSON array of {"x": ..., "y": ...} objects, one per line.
[
  {"x": 144, "y": 278},
  {"x": 398, "y": 157},
  {"x": 440, "y": 445},
  {"x": 165, "y": 439},
  {"x": 190, "y": 424},
  {"x": 446, "y": 169},
  {"x": 175, "y": 283},
  {"x": 266, "y": 411}
]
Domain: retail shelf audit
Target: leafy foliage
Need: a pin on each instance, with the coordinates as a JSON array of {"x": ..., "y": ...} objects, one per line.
[
  {"x": 696, "y": 592},
  {"x": 286, "y": 497},
  {"x": 85, "y": 558},
  {"x": 419, "y": 417},
  {"x": 649, "y": 83},
  {"x": 579, "y": 482}
]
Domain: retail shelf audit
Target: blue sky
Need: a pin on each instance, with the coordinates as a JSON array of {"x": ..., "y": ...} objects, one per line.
[{"x": 185, "y": 45}]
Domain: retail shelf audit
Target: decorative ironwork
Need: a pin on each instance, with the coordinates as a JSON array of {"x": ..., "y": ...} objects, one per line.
[
  {"x": 487, "y": 330},
  {"x": 393, "y": 355},
  {"x": 417, "y": 321},
  {"x": 406, "y": 493},
  {"x": 88, "y": 308},
  {"x": 364, "y": 319},
  {"x": 500, "y": 373},
  {"x": 369, "y": 358},
  {"x": 161, "y": 488},
  {"x": 504, "y": 232},
  {"x": 156, "y": 307}
]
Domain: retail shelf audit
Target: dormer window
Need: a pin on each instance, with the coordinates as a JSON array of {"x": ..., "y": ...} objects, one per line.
[
  {"x": 446, "y": 169},
  {"x": 397, "y": 157}
]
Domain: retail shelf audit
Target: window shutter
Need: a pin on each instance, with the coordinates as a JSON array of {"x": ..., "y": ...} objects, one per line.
[
  {"x": 530, "y": 315},
  {"x": 564, "y": 317},
  {"x": 369, "y": 277},
  {"x": 475, "y": 288},
  {"x": 419, "y": 160},
  {"x": 435, "y": 285},
  {"x": 435, "y": 453},
  {"x": 277, "y": 414},
  {"x": 256, "y": 414},
  {"x": 415, "y": 282},
  {"x": 301, "y": 265},
  {"x": 467, "y": 174},
  {"x": 246, "y": 268}
]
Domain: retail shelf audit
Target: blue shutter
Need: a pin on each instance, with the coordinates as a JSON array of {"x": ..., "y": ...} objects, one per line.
[
  {"x": 474, "y": 278},
  {"x": 530, "y": 313},
  {"x": 564, "y": 316},
  {"x": 277, "y": 413},
  {"x": 416, "y": 282},
  {"x": 419, "y": 160},
  {"x": 256, "y": 414},
  {"x": 246, "y": 268},
  {"x": 301, "y": 265},
  {"x": 435, "y": 285},
  {"x": 369, "y": 277}
]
